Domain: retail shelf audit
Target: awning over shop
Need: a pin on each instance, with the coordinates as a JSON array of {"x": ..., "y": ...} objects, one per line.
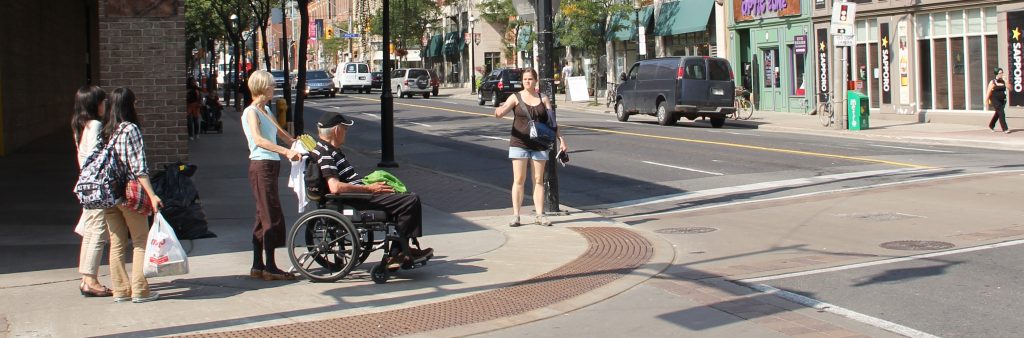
[
  {"x": 683, "y": 16},
  {"x": 453, "y": 45},
  {"x": 626, "y": 24},
  {"x": 434, "y": 47}
]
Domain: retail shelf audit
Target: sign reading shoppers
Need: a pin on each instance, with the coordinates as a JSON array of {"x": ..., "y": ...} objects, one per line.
[{"x": 1015, "y": 47}]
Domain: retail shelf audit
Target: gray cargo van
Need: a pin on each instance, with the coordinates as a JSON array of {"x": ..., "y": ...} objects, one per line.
[{"x": 678, "y": 86}]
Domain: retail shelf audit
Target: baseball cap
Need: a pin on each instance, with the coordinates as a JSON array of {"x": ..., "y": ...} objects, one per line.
[{"x": 331, "y": 119}]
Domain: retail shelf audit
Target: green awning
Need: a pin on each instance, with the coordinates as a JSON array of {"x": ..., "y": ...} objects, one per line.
[
  {"x": 683, "y": 16},
  {"x": 626, "y": 24},
  {"x": 453, "y": 45},
  {"x": 434, "y": 47}
]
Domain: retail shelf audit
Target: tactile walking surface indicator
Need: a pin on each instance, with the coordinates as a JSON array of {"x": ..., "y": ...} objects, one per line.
[{"x": 612, "y": 253}]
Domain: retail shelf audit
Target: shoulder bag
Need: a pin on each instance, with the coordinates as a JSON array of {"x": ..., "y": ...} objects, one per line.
[{"x": 540, "y": 133}]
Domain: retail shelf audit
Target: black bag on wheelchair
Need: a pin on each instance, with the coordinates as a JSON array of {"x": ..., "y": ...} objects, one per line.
[{"x": 316, "y": 185}]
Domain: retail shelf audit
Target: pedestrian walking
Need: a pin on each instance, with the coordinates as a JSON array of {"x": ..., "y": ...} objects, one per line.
[
  {"x": 125, "y": 223},
  {"x": 86, "y": 128},
  {"x": 262, "y": 133},
  {"x": 996, "y": 96},
  {"x": 192, "y": 108},
  {"x": 523, "y": 151}
]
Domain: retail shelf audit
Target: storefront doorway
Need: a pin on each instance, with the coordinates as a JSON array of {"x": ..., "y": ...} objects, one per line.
[{"x": 771, "y": 92}]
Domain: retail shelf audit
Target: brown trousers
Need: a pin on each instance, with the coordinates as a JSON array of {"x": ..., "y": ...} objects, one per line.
[{"x": 269, "y": 229}]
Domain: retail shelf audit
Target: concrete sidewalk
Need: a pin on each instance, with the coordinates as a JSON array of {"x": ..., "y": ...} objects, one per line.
[{"x": 883, "y": 127}]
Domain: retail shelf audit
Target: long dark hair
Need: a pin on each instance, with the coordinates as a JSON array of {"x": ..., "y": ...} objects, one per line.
[
  {"x": 87, "y": 108},
  {"x": 120, "y": 108}
]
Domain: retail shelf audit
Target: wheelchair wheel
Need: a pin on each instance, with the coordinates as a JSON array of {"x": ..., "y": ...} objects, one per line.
[
  {"x": 379, "y": 273},
  {"x": 323, "y": 245}
]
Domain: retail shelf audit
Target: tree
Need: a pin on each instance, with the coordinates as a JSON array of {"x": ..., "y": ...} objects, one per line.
[
  {"x": 502, "y": 13},
  {"x": 300, "y": 81},
  {"x": 409, "y": 19},
  {"x": 261, "y": 12},
  {"x": 225, "y": 9},
  {"x": 201, "y": 31},
  {"x": 579, "y": 19}
]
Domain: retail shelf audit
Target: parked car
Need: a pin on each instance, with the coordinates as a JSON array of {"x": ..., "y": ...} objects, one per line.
[
  {"x": 411, "y": 81},
  {"x": 353, "y": 75},
  {"x": 435, "y": 81},
  {"x": 318, "y": 82},
  {"x": 375, "y": 79},
  {"x": 700, "y": 86},
  {"x": 278, "y": 78},
  {"x": 499, "y": 85}
]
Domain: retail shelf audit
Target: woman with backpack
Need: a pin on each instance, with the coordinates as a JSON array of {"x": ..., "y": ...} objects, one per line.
[
  {"x": 86, "y": 127},
  {"x": 128, "y": 222}
]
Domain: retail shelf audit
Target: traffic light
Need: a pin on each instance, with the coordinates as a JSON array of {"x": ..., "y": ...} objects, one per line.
[{"x": 330, "y": 32}]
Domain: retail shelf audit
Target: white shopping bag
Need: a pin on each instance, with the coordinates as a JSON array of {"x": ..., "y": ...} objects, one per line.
[{"x": 164, "y": 255}]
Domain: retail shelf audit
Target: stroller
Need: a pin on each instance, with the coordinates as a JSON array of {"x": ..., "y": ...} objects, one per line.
[{"x": 211, "y": 112}]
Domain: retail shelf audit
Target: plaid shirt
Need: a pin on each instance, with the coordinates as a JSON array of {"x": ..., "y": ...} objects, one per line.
[{"x": 130, "y": 151}]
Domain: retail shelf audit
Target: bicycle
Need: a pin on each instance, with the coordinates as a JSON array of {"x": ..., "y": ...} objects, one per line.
[
  {"x": 825, "y": 111},
  {"x": 611, "y": 93},
  {"x": 744, "y": 108}
]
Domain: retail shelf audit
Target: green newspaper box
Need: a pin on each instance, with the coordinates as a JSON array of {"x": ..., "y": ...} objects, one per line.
[{"x": 857, "y": 115}]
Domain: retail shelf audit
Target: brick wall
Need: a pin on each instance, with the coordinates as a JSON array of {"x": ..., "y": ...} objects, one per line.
[{"x": 147, "y": 55}]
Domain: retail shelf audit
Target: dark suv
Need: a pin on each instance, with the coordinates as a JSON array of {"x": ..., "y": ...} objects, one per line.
[
  {"x": 678, "y": 86},
  {"x": 499, "y": 85}
]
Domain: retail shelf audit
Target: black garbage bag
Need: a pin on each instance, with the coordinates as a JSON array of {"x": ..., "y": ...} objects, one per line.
[{"x": 182, "y": 207}]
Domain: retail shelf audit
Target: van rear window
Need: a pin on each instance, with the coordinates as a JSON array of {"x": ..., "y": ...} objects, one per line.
[
  {"x": 719, "y": 70},
  {"x": 417, "y": 73},
  {"x": 364, "y": 68}
]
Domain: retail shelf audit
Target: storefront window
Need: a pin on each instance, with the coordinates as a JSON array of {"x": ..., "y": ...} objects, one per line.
[
  {"x": 797, "y": 85},
  {"x": 771, "y": 68},
  {"x": 957, "y": 50}
]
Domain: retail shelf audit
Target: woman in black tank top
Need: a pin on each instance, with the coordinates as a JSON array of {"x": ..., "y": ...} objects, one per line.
[
  {"x": 997, "y": 99},
  {"x": 522, "y": 151}
]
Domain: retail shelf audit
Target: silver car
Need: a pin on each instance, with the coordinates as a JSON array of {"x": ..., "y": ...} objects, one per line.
[
  {"x": 411, "y": 81},
  {"x": 318, "y": 82}
]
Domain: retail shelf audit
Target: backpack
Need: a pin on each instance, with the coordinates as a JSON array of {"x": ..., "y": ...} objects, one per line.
[
  {"x": 316, "y": 185},
  {"x": 101, "y": 183}
]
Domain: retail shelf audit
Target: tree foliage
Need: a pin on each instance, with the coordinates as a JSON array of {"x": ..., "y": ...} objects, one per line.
[
  {"x": 408, "y": 20},
  {"x": 580, "y": 19}
]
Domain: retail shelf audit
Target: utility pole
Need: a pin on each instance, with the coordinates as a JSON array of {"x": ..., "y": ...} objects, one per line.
[
  {"x": 546, "y": 72},
  {"x": 290, "y": 113},
  {"x": 387, "y": 102}
]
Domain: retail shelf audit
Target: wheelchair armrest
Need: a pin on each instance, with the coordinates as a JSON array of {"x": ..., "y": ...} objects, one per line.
[{"x": 349, "y": 196}]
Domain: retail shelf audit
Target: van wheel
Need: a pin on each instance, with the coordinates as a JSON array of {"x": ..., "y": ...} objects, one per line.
[
  {"x": 664, "y": 117},
  {"x": 494, "y": 99},
  {"x": 717, "y": 122},
  {"x": 620, "y": 112}
]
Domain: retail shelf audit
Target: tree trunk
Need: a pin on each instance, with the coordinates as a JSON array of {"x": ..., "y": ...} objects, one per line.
[{"x": 266, "y": 51}]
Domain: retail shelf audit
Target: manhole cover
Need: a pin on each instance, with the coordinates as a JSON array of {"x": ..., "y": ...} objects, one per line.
[
  {"x": 917, "y": 245},
  {"x": 685, "y": 230},
  {"x": 878, "y": 216}
]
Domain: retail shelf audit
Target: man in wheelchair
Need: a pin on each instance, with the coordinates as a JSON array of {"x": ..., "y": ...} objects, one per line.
[{"x": 341, "y": 177}]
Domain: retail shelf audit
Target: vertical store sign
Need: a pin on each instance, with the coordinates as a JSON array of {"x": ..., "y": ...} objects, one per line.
[
  {"x": 1015, "y": 48},
  {"x": 821, "y": 53},
  {"x": 886, "y": 63},
  {"x": 312, "y": 32},
  {"x": 904, "y": 60}
]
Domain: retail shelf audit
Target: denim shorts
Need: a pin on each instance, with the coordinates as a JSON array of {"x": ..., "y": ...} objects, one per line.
[{"x": 537, "y": 155}]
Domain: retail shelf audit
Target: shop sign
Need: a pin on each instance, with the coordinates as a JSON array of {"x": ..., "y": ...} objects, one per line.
[
  {"x": 886, "y": 64},
  {"x": 800, "y": 44},
  {"x": 822, "y": 58},
  {"x": 746, "y": 10},
  {"x": 819, "y": 4},
  {"x": 904, "y": 61},
  {"x": 1015, "y": 75}
]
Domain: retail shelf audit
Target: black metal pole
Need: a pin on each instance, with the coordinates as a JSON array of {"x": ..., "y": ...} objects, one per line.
[
  {"x": 290, "y": 113},
  {"x": 387, "y": 102},
  {"x": 637, "y": 12},
  {"x": 472, "y": 58},
  {"x": 547, "y": 73}
]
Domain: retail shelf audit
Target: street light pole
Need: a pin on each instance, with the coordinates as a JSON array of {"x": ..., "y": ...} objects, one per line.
[
  {"x": 636, "y": 11},
  {"x": 387, "y": 102},
  {"x": 472, "y": 54}
]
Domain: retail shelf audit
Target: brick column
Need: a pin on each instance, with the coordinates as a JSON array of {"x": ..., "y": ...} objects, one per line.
[{"x": 146, "y": 53}]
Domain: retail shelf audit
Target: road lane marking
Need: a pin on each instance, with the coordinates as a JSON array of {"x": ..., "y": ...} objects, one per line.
[
  {"x": 451, "y": 103},
  {"x": 420, "y": 124},
  {"x": 885, "y": 261},
  {"x": 749, "y": 188},
  {"x": 684, "y": 168},
  {"x": 493, "y": 137},
  {"x": 681, "y": 139},
  {"x": 832, "y": 308},
  {"x": 917, "y": 149},
  {"x": 372, "y": 115}
]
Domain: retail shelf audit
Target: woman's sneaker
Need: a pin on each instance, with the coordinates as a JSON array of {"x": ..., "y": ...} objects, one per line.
[
  {"x": 514, "y": 221},
  {"x": 542, "y": 220},
  {"x": 152, "y": 296}
]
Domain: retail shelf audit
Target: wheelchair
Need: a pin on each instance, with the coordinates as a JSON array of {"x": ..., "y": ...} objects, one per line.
[{"x": 325, "y": 244}]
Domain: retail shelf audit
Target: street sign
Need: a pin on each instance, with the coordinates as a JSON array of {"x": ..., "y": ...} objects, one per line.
[
  {"x": 350, "y": 35},
  {"x": 845, "y": 40},
  {"x": 643, "y": 40},
  {"x": 843, "y": 16}
]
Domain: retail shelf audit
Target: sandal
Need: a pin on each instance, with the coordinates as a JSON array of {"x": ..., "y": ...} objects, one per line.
[
  {"x": 88, "y": 291},
  {"x": 542, "y": 220},
  {"x": 514, "y": 221}
]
